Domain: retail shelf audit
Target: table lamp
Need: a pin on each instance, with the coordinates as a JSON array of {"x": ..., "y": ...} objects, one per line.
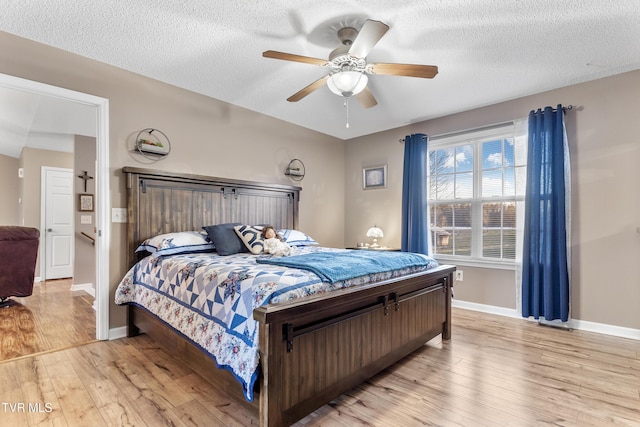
[{"x": 375, "y": 232}]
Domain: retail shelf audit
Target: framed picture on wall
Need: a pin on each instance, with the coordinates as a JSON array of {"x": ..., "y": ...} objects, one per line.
[
  {"x": 85, "y": 202},
  {"x": 374, "y": 177}
]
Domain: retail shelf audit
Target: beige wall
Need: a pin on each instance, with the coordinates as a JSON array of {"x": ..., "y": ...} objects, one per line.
[
  {"x": 9, "y": 190},
  {"x": 605, "y": 153},
  {"x": 32, "y": 160},
  {"x": 208, "y": 137},
  {"x": 214, "y": 138},
  {"x": 84, "y": 260}
]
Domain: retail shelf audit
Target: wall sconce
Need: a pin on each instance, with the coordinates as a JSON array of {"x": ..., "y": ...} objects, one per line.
[
  {"x": 376, "y": 233},
  {"x": 295, "y": 170}
]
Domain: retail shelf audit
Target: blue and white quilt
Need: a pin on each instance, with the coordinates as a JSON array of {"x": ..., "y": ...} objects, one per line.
[{"x": 210, "y": 299}]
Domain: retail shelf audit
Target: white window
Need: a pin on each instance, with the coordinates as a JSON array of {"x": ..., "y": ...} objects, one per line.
[{"x": 476, "y": 190}]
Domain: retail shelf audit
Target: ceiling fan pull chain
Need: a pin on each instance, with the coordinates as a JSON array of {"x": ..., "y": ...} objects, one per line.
[{"x": 346, "y": 104}]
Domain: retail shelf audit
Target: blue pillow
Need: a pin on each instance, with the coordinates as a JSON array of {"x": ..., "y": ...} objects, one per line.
[
  {"x": 225, "y": 239},
  {"x": 177, "y": 243}
]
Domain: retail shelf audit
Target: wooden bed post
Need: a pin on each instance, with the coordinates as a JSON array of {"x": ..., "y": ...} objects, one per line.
[
  {"x": 446, "y": 327},
  {"x": 270, "y": 364}
]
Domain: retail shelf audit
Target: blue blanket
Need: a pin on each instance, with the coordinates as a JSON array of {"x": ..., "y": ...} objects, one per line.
[{"x": 337, "y": 266}]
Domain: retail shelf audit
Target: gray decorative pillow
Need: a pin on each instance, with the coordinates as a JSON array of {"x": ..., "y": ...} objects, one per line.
[
  {"x": 251, "y": 236},
  {"x": 225, "y": 238}
]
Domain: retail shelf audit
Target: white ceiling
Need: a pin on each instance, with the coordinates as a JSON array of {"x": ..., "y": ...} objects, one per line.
[
  {"x": 487, "y": 51},
  {"x": 44, "y": 122}
]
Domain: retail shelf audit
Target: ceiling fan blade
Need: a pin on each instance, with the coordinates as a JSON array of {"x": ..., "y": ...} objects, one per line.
[
  {"x": 292, "y": 57},
  {"x": 368, "y": 36},
  {"x": 307, "y": 90},
  {"x": 366, "y": 98},
  {"x": 409, "y": 70}
]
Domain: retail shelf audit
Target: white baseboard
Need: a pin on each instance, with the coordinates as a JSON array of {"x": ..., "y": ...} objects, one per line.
[
  {"x": 87, "y": 287},
  {"x": 491, "y": 309},
  {"x": 601, "y": 328},
  {"x": 583, "y": 325},
  {"x": 116, "y": 333}
]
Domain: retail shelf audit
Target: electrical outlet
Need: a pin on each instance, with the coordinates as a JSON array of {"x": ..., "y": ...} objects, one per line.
[
  {"x": 118, "y": 215},
  {"x": 459, "y": 276}
]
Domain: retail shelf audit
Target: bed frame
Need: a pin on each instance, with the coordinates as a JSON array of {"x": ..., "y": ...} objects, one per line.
[{"x": 312, "y": 349}]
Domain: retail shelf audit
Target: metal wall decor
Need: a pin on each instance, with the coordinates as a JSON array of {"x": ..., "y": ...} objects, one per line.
[
  {"x": 295, "y": 170},
  {"x": 153, "y": 144}
]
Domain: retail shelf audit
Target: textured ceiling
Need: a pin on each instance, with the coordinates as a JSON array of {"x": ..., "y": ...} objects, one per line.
[
  {"x": 39, "y": 121},
  {"x": 487, "y": 51}
]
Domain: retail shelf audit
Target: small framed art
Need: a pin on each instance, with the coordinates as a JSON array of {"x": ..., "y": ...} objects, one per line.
[
  {"x": 85, "y": 202},
  {"x": 374, "y": 177}
]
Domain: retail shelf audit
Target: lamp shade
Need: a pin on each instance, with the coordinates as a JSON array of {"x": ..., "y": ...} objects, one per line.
[
  {"x": 347, "y": 83},
  {"x": 375, "y": 232}
]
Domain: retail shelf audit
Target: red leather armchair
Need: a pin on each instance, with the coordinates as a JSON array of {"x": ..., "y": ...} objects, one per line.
[{"x": 18, "y": 253}]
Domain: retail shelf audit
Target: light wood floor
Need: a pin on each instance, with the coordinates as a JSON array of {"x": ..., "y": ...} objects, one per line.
[
  {"x": 53, "y": 317},
  {"x": 495, "y": 371}
]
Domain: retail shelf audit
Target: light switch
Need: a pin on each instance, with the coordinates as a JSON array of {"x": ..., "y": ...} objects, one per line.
[
  {"x": 85, "y": 219},
  {"x": 118, "y": 215}
]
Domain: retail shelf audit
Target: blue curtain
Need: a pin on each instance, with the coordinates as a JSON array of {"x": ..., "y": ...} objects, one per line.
[
  {"x": 415, "y": 212},
  {"x": 545, "y": 275}
]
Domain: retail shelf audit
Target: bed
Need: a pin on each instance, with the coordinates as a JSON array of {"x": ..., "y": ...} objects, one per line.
[{"x": 310, "y": 348}]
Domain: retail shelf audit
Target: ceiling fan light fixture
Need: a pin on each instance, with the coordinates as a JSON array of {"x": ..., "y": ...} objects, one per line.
[{"x": 347, "y": 82}]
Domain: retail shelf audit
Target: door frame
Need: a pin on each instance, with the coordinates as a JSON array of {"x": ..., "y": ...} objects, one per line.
[
  {"x": 43, "y": 219},
  {"x": 103, "y": 204}
]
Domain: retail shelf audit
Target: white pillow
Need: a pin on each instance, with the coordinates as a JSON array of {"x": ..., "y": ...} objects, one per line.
[
  {"x": 177, "y": 243},
  {"x": 296, "y": 238}
]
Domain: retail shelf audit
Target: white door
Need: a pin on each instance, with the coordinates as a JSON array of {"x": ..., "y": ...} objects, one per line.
[{"x": 58, "y": 214}]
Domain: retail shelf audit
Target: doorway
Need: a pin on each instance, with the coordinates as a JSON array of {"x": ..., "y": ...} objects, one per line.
[
  {"x": 102, "y": 203},
  {"x": 56, "y": 219}
]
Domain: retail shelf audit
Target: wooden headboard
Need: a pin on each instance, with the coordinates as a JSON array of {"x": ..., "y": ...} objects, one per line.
[{"x": 161, "y": 202}]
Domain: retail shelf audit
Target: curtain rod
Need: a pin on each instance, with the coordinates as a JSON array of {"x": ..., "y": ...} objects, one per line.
[
  {"x": 460, "y": 132},
  {"x": 402, "y": 139},
  {"x": 564, "y": 109}
]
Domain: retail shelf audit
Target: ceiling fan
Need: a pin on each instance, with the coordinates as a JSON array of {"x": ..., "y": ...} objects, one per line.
[{"x": 348, "y": 65}]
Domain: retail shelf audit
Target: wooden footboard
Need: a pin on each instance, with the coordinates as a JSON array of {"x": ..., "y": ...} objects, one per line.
[{"x": 313, "y": 350}]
